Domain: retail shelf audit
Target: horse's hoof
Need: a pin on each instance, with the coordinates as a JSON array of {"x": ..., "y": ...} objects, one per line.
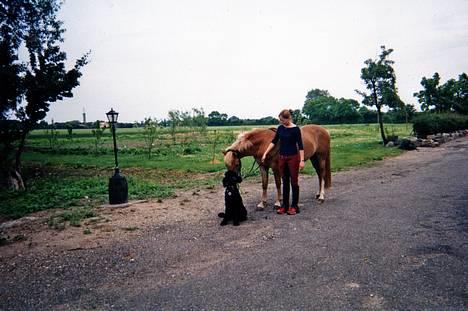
[
  {"x": 277, "y": 204},
  {"x": 261, "y": 206},
  {"x": 317, "y": 196}
]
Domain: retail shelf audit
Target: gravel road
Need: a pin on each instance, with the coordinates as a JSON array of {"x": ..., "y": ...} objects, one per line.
[{"x": 390, "y": 236}]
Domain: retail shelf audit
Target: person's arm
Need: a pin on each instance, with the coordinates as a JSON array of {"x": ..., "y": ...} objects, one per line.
[
  {"x": 302, "y": 163},
  {"x": 271, "y": 145},
  {"x": 301, "y": 149}
]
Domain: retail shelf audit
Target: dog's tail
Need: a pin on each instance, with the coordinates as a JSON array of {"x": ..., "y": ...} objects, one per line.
[{"x": 221, "y": 215}]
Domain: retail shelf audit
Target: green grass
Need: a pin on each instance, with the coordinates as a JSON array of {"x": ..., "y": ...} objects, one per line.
[{"x": 72, "y": 175}]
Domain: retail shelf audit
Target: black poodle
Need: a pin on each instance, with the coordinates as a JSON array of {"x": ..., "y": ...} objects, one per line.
[{"x": 235, "y": 209}]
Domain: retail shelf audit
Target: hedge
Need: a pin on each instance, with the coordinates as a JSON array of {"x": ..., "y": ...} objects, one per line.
[{"x": 433, "y": 123}]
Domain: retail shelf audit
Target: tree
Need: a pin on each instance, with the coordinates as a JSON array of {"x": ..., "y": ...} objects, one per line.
[
  {"x": 368, "y": 116},
  {"x": 318, "y": 109},
  {"x": 29, "y": 87},
  {"x": 199, "y": 120},
  {"x": 429, "y": 97},
  {"x": 312, "y": 94},
  {"x": 215, "y": 118},
  {"x": 346, "y": 111},
  {"x": 379, "y": 78},
  {"x": 452, "y": 96},
  {"x": 98, "y": 132},
  {"x": 298, "y": 117},
  {"x": 149, "y": 134},
  {"x": 460, "y": 94},
  {"x": 401, "y": 114},
  {"x": 175, "y": 120},
  {"x": 234, "y": 120}
]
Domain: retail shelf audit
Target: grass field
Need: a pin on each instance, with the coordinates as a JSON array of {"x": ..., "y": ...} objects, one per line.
[{"x": 72, "y": 172}]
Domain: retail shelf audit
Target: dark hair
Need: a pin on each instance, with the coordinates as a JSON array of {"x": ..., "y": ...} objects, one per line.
[{"x": 286, "y": 114}]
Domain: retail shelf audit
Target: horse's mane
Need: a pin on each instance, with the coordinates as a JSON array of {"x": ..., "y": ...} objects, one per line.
[{"x": 244, "y": 142}]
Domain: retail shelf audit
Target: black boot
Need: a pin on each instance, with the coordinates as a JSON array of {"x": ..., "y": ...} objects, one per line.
[
  {"x": 286, "y": 190},
  {"x": 295, "y": 198},
  {"x": 286, "y": 180}
]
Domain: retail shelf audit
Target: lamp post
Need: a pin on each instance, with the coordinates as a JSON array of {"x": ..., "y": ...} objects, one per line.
[{"x": 118, "y": 187}]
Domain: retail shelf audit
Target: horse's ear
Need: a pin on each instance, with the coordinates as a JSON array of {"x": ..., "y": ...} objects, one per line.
[{"x": 224, "y": 152}]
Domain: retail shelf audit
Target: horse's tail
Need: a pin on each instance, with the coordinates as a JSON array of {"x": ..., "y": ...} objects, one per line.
[{"x": 328, "y": 170}]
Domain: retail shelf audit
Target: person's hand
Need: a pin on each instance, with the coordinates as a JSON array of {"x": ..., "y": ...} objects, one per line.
[
  {"x": 301, "y": 165},
  {"x": 264, "y": 158}
]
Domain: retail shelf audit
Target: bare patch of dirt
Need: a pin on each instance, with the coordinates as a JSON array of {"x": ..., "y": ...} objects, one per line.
[{"x": 111, "y": 224}]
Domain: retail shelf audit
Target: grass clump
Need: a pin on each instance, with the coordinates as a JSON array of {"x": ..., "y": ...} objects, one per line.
[{"x": 73, "y": 217}]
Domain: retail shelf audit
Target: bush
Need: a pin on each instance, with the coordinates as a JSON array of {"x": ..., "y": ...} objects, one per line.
[{"x": 433, "y": 123}]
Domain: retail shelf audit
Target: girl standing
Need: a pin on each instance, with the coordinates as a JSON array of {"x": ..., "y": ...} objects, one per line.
[{"x": 291, "y": 160}]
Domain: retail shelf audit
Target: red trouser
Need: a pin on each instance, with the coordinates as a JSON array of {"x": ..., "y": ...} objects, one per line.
[{"x": 289, "y": 168}]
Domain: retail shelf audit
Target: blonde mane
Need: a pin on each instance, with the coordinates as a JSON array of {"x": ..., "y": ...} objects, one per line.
[{"x": 242, "y": 144}]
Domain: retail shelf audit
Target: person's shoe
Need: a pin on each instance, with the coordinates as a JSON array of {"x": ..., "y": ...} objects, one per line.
[
  {"x": 292, "y": 211},
  {"x": 281, "y": 210}
]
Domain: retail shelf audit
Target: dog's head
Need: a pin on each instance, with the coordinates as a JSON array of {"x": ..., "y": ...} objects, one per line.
[{"x": 231, "y": 178}]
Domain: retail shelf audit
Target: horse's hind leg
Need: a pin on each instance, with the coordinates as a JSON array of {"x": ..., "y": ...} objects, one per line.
[
  {"x": 323, "y": 170},
  {"x": 315, "y": 164}
]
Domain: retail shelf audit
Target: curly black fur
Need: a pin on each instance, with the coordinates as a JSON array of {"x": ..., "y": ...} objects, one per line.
[{"x": 235, "y": 209}]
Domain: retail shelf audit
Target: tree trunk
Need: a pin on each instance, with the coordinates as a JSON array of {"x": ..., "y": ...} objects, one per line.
[
  {"x": 10, "y": 178},
  {"x": 382, "y": 132},
  {"x": 379, "y": 113},
  {"x": 11, "y": 171}
]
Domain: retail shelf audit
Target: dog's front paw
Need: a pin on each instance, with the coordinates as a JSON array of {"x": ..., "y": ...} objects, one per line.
[{"x": 223, "y": 223}]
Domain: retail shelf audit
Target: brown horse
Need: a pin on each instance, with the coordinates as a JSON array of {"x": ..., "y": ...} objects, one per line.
[{"x": 316, "y": 141}]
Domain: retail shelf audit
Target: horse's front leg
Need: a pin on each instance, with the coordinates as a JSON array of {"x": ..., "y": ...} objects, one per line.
[
  {"x": 263, "y": 202},
  {"x": 278, "y": 188}
]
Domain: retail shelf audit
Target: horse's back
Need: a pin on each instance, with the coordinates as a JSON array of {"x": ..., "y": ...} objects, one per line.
[{"x": 315, "y": 139}]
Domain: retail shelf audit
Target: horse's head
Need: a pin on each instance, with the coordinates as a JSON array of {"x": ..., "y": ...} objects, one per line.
[{"x": 232, "y": 160}]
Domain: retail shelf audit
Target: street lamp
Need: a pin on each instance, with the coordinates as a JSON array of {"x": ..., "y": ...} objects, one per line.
[{"x": 118, "y": 188}]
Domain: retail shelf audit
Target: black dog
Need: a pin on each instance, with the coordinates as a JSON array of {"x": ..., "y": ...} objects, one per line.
[{"x": 235, "y": 209}]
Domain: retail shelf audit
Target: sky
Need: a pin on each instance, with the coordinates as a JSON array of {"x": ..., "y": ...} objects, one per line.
[{"x": 249, "y": 58}]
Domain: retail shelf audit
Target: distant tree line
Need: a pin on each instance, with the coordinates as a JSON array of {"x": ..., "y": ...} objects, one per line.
[{"x": 76, "y": 124}]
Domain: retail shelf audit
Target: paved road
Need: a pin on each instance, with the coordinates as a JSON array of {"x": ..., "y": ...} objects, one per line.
[{"x": 393, "y": 236}]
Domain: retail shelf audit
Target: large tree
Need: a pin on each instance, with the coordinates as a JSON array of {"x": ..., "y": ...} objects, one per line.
[
  {"x": 430, "y": 96},
  {"x": 215, "y": 118},
  {"x": 460, "y": 94},
  {"x": 452, "y": 96},
  {"x": 380, "y": 80},
  {"x": 322, "y": 108},
  {"x": 29, "y": 86}
]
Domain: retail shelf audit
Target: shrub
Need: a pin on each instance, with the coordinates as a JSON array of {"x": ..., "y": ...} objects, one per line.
[{"x": 433, "y": 123}]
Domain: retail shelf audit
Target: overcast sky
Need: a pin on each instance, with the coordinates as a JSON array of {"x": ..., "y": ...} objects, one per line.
[{"x": 249, "y": 58}]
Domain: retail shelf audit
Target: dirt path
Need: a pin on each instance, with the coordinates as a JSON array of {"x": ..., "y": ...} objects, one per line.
[{"x": 392, "y": 236}]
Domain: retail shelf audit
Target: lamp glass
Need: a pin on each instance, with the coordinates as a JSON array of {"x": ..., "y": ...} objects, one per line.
[{"x": 112, "y": 116}]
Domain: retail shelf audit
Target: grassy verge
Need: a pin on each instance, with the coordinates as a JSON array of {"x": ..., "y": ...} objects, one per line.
[{"x": 72, "y": 179}]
